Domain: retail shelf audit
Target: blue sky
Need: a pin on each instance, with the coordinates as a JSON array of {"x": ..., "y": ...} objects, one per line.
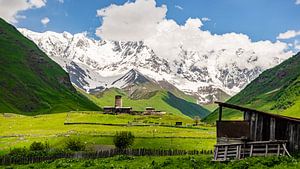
[{"x": 259, "y": 19}]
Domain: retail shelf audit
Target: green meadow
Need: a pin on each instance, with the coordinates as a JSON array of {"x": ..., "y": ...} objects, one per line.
[{"x": 153, "y": 131}]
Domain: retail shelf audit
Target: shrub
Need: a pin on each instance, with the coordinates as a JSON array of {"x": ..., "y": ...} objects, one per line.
[
  {"x": 74, "y": 144},
  {"x": 123, "y": 139},
  {"x": 19, "y": 152},
  {"x": 38, "y": 146}
]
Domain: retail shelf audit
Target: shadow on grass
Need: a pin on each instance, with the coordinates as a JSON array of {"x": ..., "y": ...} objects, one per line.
[{"x": 187, "y": 108}]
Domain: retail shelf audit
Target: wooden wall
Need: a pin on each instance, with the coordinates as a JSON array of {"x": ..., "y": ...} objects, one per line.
[{"x": 264, "y": 127}]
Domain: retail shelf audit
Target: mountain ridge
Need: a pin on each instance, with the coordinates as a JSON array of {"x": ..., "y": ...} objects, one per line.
[
  {"x": 276, "y": 90},
  {"x": 194, "y": 72}
]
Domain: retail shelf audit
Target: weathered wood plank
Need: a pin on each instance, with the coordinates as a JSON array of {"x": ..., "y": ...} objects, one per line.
[
  {"x": 225, "y": 154},
  {"x": 285, "y": 150},
  {"x": 251, "y": 150},
  {"x": 216, "y": 153},
  {"x": 266, "y": 153},
  {"x": 278, "y": 149},
  {"x": 272, "y": 128}
]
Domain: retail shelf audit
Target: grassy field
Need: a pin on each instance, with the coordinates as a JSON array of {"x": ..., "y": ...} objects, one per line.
[
  {"x": 19, "y": 130},
  {"x": 186, "y": 162}
]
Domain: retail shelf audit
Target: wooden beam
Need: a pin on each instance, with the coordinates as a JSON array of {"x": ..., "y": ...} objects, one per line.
[
  {"x": 255, "y": 127},
  {"x": 225, "y": 153},
  {"x": 247, "y": 116},
  {"x": 278, "y": 150},
  {"x": 251, "y": 150},
  {"x": 266, "y": 153},
  {"x": 216, "y": 153},
  {"x": 220, "y": 112},
  {"x": 237, "y": 153},
  {"x": 240, "y": 148},
  {"x": 243, "y": 109},
  {"x": 272, "y": 128},
  {"x": 285, "y": 150}
]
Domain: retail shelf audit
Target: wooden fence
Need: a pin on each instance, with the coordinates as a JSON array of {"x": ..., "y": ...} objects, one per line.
[
  {"x": 230, "y": 151},
  {"x": 8, "y": 160}
]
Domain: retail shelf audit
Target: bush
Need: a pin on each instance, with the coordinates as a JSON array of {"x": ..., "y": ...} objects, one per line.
[
  {"x": 38, "y": 146},
  {"x": 19, "y": 152},
  {"x": 123, "y": 139},
  {"x": 74, "y": 144}
]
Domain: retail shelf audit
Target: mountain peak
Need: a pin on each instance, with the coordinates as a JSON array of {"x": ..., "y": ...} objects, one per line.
[
  {"x": 133, "y": 77},
  {"x": 117, "y": 63}
]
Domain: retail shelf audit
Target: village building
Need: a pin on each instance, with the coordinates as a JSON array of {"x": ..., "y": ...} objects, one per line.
[
  {"x": 118, "y": 108},
  {"x": 152, "y": 111},
  {"x": 258, "y": 134}
]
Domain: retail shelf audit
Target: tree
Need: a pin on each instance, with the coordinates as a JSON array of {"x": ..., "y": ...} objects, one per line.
[
  {"x": 123, "y": 139},
  {"x": 197, "y": 120},
  {"x": 75, "y": 144},
  {"x": 37, "y": 146}
]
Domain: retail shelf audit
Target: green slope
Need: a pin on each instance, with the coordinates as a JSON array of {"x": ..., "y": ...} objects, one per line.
[
  {"x": 276, "y": 90},
  {"x": 30, "y": 82},
  {"x": 162, "y": 100}
]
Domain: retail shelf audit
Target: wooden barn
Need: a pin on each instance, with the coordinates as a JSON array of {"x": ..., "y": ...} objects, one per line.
[{"x": 258, "y": 134}]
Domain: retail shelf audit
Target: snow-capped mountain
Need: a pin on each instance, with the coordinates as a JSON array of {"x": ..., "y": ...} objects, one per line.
[{"x": 94, "y": 65}]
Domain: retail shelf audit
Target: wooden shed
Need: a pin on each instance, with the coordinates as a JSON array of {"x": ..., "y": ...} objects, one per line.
[{"x": 258, "y": 134}]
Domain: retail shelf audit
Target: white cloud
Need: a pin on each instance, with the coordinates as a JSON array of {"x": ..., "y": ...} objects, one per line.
[
  {"x": 143, "y": 21},
  {"x": 288, "y": 34},
  {"x": 37, "y": 3},
  {"x": 9, "y": 8},
  {"x": 178, "y": 7},
  {"x": 20, "y": 17},
  {"x": 131, "y": 21},
  {"x": 45, "y": 21},
  {"x": 297, "y": 44},
  {"x": 297, "y": 2},
  {"x": 205, "y": 19},
  {"x": 61, "y": 1}
]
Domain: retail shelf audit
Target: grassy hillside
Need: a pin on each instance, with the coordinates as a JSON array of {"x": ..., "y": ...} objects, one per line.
[
  {"x": 32, "y": 83},
  {"x": 276, "y": 90},
  {"x": 161, "y": 100}
]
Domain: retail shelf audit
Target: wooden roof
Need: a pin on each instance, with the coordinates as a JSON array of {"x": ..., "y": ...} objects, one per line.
[{"x": 245, "y": 109}]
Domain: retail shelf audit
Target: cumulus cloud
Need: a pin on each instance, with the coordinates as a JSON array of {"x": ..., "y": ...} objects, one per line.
[
  {"x": 142, "y": 20},
  {"x": 297, "y": 44},
  {"x": 61, "y": 1},
  {"x": 9, "y": 8},
  {"x": 205, "y": 19},
  {"x": 297, "y": 2},
  {"x": 178, "y": 7},
  {"x": 45, "y": 21},
  {"x": 133, "y": 21},
  {"x": 288, "y": 34},
  {"x": 171, "y": 38}
]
